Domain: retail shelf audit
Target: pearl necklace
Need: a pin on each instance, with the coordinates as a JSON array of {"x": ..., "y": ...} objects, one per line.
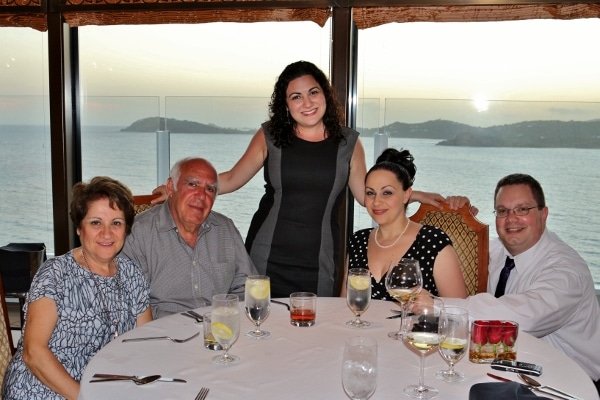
[
  {"x": 113, "y": 322},
  {"x": 395, "y": 241}
]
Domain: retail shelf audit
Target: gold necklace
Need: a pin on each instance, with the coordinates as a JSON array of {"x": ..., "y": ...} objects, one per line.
[
  {"x": 113, "y": 322},
  {"x": 395, "y": 241}
]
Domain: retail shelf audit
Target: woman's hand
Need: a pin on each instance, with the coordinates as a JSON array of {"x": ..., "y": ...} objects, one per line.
[{"x": 162, "y": 191}]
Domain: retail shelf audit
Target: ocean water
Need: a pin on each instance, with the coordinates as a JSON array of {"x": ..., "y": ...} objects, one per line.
[{"x": 570, "y": 178}]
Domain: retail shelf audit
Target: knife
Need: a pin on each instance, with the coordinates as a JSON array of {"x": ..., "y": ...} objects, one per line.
[
  {"x": 110, "y": 377},
  {"x": 543, "y": 390},
  {"x": 195, "y": 314}
]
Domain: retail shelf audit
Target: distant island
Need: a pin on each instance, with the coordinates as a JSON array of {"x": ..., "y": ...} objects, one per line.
[
  {"x": 534, "y": 134},
  {"x": 178, "y": 126}
]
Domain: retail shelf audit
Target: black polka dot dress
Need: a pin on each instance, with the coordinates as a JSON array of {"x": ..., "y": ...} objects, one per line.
[{"x": 429, "y": 242}]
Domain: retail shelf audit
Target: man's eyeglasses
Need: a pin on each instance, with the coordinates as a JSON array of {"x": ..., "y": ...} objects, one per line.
[{"x": 518, "y": 211}]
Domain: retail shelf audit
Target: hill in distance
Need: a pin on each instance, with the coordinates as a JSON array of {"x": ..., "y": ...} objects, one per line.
[
  {"x": 534, "y": 134},
  {"x": 178, "y": 126}
]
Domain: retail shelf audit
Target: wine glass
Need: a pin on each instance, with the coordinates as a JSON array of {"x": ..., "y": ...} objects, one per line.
[
  {"x": 426, "y": 325},
  {"x": 403, "y": 282},
  {"x": 359, "y": 367},
  {"x": 358, "y": 295},
  {"x": 454, "y": 346},
  {"x": 225, "y": 325},
  {"x": 258, "y": 304}
]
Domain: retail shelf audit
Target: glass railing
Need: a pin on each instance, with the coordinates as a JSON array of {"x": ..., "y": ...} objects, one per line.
[
  {"x": 119, "y": 140},
  {"x": 26, "y": 178}
]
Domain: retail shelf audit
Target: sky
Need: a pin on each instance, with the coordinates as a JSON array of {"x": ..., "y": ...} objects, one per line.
[{"x": 491, "y": 71}]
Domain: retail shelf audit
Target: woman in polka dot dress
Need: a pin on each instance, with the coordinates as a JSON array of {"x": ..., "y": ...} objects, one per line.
[{"x": 387, "y": 190}]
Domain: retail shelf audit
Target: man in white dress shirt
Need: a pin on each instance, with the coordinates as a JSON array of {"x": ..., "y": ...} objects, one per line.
[{"x": 550, "y": 291}]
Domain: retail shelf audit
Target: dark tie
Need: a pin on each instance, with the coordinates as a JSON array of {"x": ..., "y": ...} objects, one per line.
[{"x": 508, "y": 266}]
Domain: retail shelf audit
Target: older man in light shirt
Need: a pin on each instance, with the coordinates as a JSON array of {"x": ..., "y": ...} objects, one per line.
[
  {"x": 550, "y": 290},
  {"x": 187, "y": 251}
]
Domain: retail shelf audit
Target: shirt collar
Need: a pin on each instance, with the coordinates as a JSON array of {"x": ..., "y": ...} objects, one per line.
[{"x": 529, "y": 256}]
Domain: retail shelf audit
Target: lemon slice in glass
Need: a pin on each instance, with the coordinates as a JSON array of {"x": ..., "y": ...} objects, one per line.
[
  {"x": 260, "y": 289},
  {"x": 454, "y": 343},
  {"x": 359, "y": 282},
  {"x": 221, "y": 331}
]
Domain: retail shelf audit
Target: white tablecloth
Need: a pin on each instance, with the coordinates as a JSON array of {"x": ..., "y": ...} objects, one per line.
[{"x": 298, "y": 362}]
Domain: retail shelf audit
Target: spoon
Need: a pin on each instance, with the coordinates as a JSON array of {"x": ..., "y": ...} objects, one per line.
[
  {"x": 530, "y": 381},
  {"x": 137, "y": 380}
]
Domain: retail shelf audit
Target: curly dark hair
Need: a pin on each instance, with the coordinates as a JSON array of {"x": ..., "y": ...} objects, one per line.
[
  {"x": 283, "y": 127},
  {"x": 400, "y": 163},
  {"x": 102, "y": 187}
]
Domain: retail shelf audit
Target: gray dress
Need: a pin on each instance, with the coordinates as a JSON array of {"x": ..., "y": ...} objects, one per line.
[{"x": 294, "y": 236}]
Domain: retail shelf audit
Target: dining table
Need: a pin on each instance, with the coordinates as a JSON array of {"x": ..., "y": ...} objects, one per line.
[{"x": 299, "y": 362}]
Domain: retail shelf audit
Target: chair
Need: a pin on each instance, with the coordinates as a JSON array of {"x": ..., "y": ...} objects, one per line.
[
  {"x": 18, "y": 264},
  {"x": 470, "y": 238},
  {"x": 142, "y": 202},
  {"x": 7, "y": 349}
]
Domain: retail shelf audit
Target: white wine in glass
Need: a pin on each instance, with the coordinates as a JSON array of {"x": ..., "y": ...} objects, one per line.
[
  {"x": 426, "y": 328},
  {"x": 359, "y": 367},
  {"x": 358, "y": 295},
  {"x": 403, "y": 282},
  {"x": 225, "y": 325},
  {"x": 455, "y": 345},
  {"x": 258, "y": 304}
]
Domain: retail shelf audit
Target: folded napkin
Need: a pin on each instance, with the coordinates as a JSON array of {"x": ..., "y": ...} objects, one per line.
[{"x": 502, "y": 391}]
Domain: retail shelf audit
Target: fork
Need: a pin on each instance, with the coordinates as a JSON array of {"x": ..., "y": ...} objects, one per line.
[
  {"x": 202, "y": 394},
  {"x": 161, "y": 338}
]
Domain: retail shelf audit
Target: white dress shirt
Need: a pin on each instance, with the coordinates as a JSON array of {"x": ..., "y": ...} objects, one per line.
[{"x": 550, "y": 294}]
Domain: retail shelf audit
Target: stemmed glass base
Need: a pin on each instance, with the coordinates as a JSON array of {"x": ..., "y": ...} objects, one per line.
[
  {"x": 226, "y": 359},
  {"x": 396, "y": 335},
  {"x": 257, "y": 334},
  {"x": 420, "y": 391},
  {"x": 358, "y": 323},
  {"x": 450, "y": 375},
  {"x": 401, "y": 332}
]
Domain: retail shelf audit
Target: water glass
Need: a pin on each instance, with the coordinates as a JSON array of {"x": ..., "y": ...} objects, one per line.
[
  {"x": 358, "y": 295},
  {"x": 455, "y": 345},
  {"x": 225, "y": 325},
  {"x": 258, "y": 304},
  {"x": 359, "y": 367}
]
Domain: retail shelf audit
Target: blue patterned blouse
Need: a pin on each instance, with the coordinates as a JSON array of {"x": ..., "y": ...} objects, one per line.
[{"x": 83, "y": 326}]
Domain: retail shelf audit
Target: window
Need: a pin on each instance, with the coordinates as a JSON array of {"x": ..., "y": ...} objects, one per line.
[
  {"x": 26, "y": 195},
  {"x": 509, "y": 80},
  {"x": 130, "y": 73}
]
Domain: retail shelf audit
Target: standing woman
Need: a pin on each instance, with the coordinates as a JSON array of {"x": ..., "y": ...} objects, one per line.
[
  {"x": 388, "y": 187},
  {"x": 309, "y": 159},
  {"x": 80, "y": 301}
]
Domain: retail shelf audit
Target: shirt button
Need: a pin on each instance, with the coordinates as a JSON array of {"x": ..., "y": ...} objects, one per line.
[{"x": 195, "y": 286}]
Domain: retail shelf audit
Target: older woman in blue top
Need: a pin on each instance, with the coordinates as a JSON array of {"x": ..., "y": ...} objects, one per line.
[{"x": 80, "y": 301}]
